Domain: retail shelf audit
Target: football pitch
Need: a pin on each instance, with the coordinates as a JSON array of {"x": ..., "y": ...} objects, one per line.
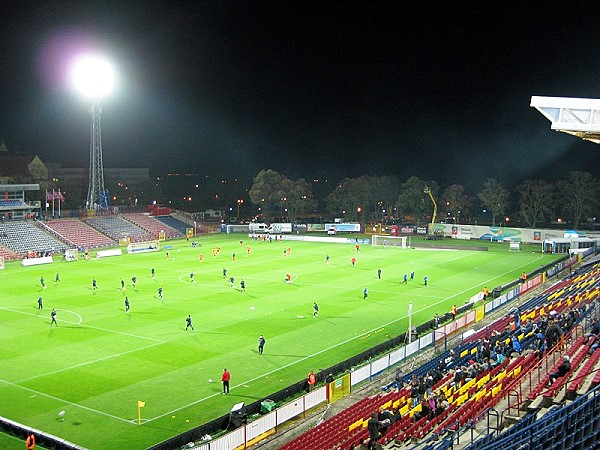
[{"x": 101, "y": 360}]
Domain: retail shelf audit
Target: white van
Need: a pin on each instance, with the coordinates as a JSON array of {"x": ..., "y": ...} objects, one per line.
[{"x": 257, "y": 227}]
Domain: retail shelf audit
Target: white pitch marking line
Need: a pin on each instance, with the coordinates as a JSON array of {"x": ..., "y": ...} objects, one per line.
[
  {"x": 116, "y": 355},
  {"x": 65, "y": 401},
  {"x": 160, "y": 341}
]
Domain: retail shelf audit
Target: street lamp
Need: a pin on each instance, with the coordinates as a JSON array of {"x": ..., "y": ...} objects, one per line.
[
  {"x": 358, "y": 210},
  {"x": 94, "y": 77},
  {"x": 239, "y": 202}
]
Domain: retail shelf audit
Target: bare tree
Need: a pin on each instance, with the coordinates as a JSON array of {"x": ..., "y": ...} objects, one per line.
[
  {"x": 578, "y": 195},
  {"x": 457, "y": 200},
  {"x": 494, "y": 197},
  {"x": 535, "y": 201}
]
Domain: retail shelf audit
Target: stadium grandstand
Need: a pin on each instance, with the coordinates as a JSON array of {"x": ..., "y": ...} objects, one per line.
[{"x": 471, "y": 397}]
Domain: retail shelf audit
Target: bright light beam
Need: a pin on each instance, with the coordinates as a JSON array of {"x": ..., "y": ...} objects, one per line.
[{"x": 92, "y": 76}]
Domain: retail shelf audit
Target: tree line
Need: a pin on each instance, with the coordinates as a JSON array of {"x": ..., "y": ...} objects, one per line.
[{"x": 374, "y": 198}]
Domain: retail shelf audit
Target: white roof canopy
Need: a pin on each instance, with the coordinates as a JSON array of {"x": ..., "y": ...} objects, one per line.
[{"x": 577, "y": 116}]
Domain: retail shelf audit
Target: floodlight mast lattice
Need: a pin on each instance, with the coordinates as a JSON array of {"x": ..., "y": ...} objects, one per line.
[
  {"x": 94, "y": 77},
  {"x": 97, "y": 197}
]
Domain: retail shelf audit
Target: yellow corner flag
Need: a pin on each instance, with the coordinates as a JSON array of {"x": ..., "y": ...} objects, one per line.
[{"x": 141, "y": 404}]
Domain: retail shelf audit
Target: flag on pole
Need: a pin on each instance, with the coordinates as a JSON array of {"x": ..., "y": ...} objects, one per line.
[{"x": 141, "y": 404}]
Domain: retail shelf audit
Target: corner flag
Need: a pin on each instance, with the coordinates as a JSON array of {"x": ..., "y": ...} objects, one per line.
[{"x": 141, "y": 404}]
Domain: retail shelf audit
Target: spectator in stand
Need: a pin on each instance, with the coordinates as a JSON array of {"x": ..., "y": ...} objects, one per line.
[
  {"x": 425, "y": 411},
  {"x": 414, "y": 390},
  {"x": 373, "y": 425},
  {"x": 516, "y": 314},
  {"x": 593, "y": 337},
  {"x": 561, "y": 370},
  {"x": 594, "y": 332},
  {"x": 543, "y": 323},
  {"x": 385, "y": 417},
  {"x": 554, "y": 334},
  {"x": 516, "y": 345},
  {"x": 459, "y": 376},
  {"x": 569, "y": 321},
  {"x": 441, "y": 404},
  {"x": 540, "y": 344},
  {"x": 399, "y": 379}
]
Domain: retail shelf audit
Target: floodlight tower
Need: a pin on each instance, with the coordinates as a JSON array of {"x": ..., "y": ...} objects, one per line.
[{"x": 94, "y": 78}]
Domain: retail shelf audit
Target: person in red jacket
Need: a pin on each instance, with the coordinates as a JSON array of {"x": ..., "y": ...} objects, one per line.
[
  {"x": 30, "y": 442},
  {"x": 311, "y": 380},
  {"x": 225, "y": 379}
]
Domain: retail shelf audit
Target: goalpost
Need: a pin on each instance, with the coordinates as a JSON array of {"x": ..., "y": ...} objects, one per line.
[
  {"x": 71, "y": 254},
  {"x": 391, "y": 241},
  {"x": 1, "y": 262}
]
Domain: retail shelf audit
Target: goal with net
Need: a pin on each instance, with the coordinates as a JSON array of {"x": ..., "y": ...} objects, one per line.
[
  {"x": 71, "y": 254},
  {"x": 390, "y": 241},
  {"x": 1, "y": 262}
]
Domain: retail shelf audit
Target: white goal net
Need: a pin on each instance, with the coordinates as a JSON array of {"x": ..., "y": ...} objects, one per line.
[
  {"x": 514, "y": 246},
  {"x": 390, "y": 241},
  {"x": 71, "y": 254}
]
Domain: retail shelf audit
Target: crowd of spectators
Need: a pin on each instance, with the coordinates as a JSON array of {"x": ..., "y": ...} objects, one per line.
[{"x": 538, "y": 336}]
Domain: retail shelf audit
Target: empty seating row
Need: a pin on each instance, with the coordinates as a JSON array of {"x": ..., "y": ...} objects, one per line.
[
  {"x": 24, "y": 236},
  {"x": 117, "y": 228},
  {"x": 174, "y": 223},
  {"x": 79, "y": 233},
  {"x": 151, "y": 225}
]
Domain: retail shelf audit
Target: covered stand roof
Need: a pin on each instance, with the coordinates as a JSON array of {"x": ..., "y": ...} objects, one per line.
[{"x": 577, "y": 116}]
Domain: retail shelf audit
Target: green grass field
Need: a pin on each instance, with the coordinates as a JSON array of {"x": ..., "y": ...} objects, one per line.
[{"x": 100, "y": 361}]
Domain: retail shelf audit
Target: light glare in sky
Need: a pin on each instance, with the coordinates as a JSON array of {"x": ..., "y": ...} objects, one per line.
[{"x": 92, "y": 76}]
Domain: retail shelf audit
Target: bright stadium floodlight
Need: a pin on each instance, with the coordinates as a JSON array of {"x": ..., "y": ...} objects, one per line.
[{"x": 94, "y": 78}]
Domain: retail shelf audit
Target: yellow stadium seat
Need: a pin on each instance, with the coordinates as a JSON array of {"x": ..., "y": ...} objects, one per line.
[{"x": 356, "y": 424}]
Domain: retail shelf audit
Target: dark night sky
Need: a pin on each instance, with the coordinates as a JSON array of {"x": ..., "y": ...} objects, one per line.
[{"x": 339, "y": 88}]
